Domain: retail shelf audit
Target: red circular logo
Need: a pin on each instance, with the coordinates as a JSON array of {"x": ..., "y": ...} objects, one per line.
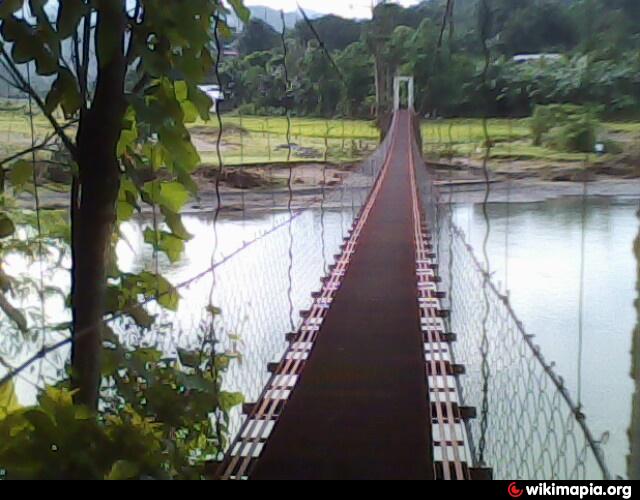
[{"x": 514, "y": 491}]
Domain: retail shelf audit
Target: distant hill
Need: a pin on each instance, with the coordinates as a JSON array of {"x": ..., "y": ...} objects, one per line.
[{"x": 272, "y": 17}]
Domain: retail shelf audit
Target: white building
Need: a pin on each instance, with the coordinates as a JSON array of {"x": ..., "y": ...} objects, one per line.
[{"x": 523, "y": 58}]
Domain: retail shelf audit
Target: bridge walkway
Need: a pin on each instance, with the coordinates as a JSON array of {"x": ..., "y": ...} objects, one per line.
[
  {"x": 351, "y": 397},
  {"x": 360, "y": 409}
]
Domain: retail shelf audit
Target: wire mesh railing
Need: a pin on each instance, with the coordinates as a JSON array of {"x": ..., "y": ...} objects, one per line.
[
  {"x": 257, "y": 267},
  {"x": 528, "y": 426}
]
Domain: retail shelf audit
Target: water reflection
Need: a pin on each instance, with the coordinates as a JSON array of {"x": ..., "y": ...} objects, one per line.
[
  {"x": 543, "y": 270},
  {"x": 485, "y": 345},
  {"x": 257, "y": 289}
]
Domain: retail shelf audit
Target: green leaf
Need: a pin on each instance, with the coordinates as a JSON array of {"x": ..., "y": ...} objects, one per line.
[
  {"x": 153, "y": 285},
  {"x": 188, "y": 358},
  {"x": 157, "y": 156},
  {"x": 31, "y": 44},
  {"x": 7, "y": 227},
  {"x": 8, "y": 7},
  {"x": 168, "y": 296},
  {"x": 213, "y": 310},
  {"x": 53, "y": 397},
  {"x": 173, "y": 196},
  {"x": 21, "y": 173},
  {"x": 8, "y": 399},
  {"x": 241, "y": 11},
  {"x": 181, "y": 90},
  {"x": 128, "y": 138},
  {"x": 127, "y": 200},
  {"x": 70, "y": 12},
  {"x": 201, "y": 100},
  {"x": 64, "y": 92},
  {"x": 174, "y": 221},
  {"x": 142, "y": 318},
  {"x": 13, "y": 314},
  {"x": 229, "y": 400},
  {"x": 165, "y": 242},
  {"x": 124, "y": 211},
  {"x": 123, "y": 470}
]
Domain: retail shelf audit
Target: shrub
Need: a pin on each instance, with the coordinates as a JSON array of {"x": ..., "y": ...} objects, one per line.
[
  {"x": 565, "y": 127},
  {"x": 247, "y": 108},
  {"x": 160, "y": 417}
]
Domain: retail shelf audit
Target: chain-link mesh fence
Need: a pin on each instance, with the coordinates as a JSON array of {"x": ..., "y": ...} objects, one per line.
[{"x": 527, "y": 425}]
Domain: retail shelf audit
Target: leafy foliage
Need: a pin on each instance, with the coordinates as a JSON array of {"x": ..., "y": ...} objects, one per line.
[
  {"x": 565, "y": 127},
  {"x": 169, "y": 53},
  {"x": 8, "y": 399},
  {"x": 121, "y": 83},
  {"x": 258, "y": 36},
  {"x": 602, "y": 37},
  {"x": 160, "y": 418}
]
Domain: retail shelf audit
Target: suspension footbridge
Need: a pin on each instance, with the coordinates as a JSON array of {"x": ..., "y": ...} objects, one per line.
[
  {"x": 374, "y": 383},
  {"x": 407, "y": 361}
]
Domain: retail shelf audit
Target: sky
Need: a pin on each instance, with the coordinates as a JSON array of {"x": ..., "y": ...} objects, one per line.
[{"x": 344, "y": 8}]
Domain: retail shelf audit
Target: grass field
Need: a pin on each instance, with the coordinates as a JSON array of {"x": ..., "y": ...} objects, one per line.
[
  {"x": 511, "y": 139},
  {"x": 15, "y": 128},
  {"x": 254, "y": 140},
  {"x": 249, "y": 140},
  {"x": 246, "y": 140}
]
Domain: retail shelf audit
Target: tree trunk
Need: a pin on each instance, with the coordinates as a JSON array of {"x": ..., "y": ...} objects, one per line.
[{"x": 94, "y": 208}]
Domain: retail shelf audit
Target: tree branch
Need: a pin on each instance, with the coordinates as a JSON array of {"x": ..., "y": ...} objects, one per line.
[
  {"x": 69, "y": 144},
  {"x": 36, "y": 147}
]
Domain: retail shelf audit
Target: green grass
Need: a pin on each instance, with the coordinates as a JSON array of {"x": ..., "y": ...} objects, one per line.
[
  {"x": 623, "y": 127},
  {"x": 257, "y": 140},
  {"x": 511, "y": 140},
  {"x": 15, "y": 127},
  {"x": 307, "y": 127},
  {"x": 251, "y": 140}
]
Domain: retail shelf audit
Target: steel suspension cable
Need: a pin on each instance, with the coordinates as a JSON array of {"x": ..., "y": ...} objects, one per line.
[
  {"x": 218, "y": 45},
  {"x": 485, "y": 25},
  {"x": 287, "y": 112}
]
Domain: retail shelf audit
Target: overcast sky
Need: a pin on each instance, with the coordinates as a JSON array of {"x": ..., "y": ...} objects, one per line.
[{"x": 344, "y": 8}]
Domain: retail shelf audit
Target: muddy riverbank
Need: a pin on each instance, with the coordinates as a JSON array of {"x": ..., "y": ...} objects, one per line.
[{"x": 266, "y": 187}]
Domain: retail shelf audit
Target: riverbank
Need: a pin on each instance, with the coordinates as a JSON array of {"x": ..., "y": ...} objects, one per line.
[
  {"x": 266, "y": 187},
  {"x": 522, "y": 182}
]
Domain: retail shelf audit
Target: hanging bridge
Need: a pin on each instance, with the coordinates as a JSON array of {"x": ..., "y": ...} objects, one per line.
[{"x": 408, "y": 363}]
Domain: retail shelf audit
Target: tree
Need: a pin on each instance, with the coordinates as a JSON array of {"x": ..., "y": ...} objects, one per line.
[
  {"x": 123, "y": 133},
  {"x": 258, "y": 36},
  {"x": 336, "y": 32},
  {"x": 355, "y": 64},
  {"x": 537, "y": 28},
  {"x": 317, "y": 90}
]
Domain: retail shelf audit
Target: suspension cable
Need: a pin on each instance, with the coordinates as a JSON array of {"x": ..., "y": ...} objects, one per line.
[
  {"x": 581, "y": 291},
  {"x": 287, "y": 111},
  {"x": 216, "y": 36},
  {"x": 485, "y": 22},
  {"x": 323, "y": 46}
]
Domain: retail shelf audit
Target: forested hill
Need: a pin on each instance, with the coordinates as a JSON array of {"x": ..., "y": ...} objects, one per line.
[
  {"x": 273, "y": 17},
  {"x": 603, "y": 35}
]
